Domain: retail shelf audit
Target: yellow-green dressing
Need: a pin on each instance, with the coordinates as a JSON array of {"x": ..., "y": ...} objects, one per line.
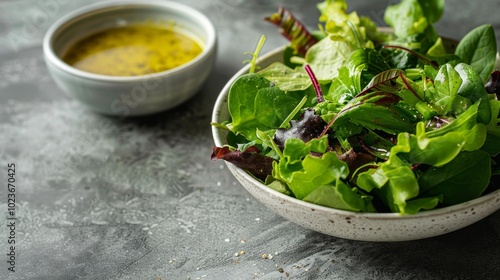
[{"x": 133, "y": 50}]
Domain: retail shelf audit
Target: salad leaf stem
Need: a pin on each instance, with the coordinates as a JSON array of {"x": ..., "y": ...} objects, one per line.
[
  {"x": 255, "y": 54},
  {"x": 293, "y": 113},
  {"x": 317, "y": 87},
  {"x": 407, "y": 84}
]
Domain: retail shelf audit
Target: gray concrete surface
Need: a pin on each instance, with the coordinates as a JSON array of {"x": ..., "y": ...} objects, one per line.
[{"x": 139, "y": 198}]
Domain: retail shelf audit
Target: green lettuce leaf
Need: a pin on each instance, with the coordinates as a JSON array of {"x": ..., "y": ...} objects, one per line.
[
  {"x": 393, "y": 181},
  {"x": 427, "y": 203},
  {"x": 341, "y": 196},
  {"x": 303, "y": 172}
]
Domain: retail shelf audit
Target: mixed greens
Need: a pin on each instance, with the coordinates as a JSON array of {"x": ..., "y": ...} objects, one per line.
[{"x": 363, "y": 120}]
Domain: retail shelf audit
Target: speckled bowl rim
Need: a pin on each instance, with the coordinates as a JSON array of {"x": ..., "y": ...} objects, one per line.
[
  {"x": 222, "y": 101},
  {"x": 79, "y": 14}
]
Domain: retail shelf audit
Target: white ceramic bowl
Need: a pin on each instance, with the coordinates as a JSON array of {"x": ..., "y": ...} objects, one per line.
[
  {"x": 346, "y": 224},
  {"x": 134, "y": 95}
]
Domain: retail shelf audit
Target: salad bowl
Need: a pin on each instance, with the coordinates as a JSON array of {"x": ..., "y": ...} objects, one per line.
[{"x": 376, "y": 227}]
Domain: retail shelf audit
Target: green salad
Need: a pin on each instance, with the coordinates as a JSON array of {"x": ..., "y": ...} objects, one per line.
[{"x": 369, "y": 121}]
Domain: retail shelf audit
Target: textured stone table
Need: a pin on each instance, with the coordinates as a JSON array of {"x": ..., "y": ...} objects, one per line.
[{"x": 139, "y": 198}]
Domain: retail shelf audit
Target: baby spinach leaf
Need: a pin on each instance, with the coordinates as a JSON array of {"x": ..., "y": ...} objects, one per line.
[
  {"x": 447, "y": 81},
  {"x": 399, "y": 59},
  {"x": 473, "y": 89},
  {"x": 478, "y": 48},
  {"x": 464, "y": 178},
  {"x": 444, "y": 98},
  {"x": 378, "y": 117},
  {"x": 255, "y": 103},
  {"x": 287, "y": 79},
  {"x": 326, "y": 57},
  {"x": 375, "y": 111}
]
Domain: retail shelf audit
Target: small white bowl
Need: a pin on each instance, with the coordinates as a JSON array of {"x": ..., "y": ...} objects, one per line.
[
  {"x": 134, "y": 95},
  {"x": 346, "y": 224}
]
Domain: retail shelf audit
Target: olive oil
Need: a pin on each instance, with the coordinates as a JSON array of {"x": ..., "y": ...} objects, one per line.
[{"x": 133, "y": 50}]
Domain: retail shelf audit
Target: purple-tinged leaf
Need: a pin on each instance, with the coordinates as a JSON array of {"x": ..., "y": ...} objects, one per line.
[
  {"x": 309, "y": 126},
  {"x": 251, "y": 160},
  {"x": 383, "y": 82},
  {"x": 292, "y": 29},
  {"x": 493, "y": 83},
  {"x": 355, "y": 160}
]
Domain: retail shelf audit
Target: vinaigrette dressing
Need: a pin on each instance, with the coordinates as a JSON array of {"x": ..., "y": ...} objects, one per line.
[{"x": 133, "y": 50}]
